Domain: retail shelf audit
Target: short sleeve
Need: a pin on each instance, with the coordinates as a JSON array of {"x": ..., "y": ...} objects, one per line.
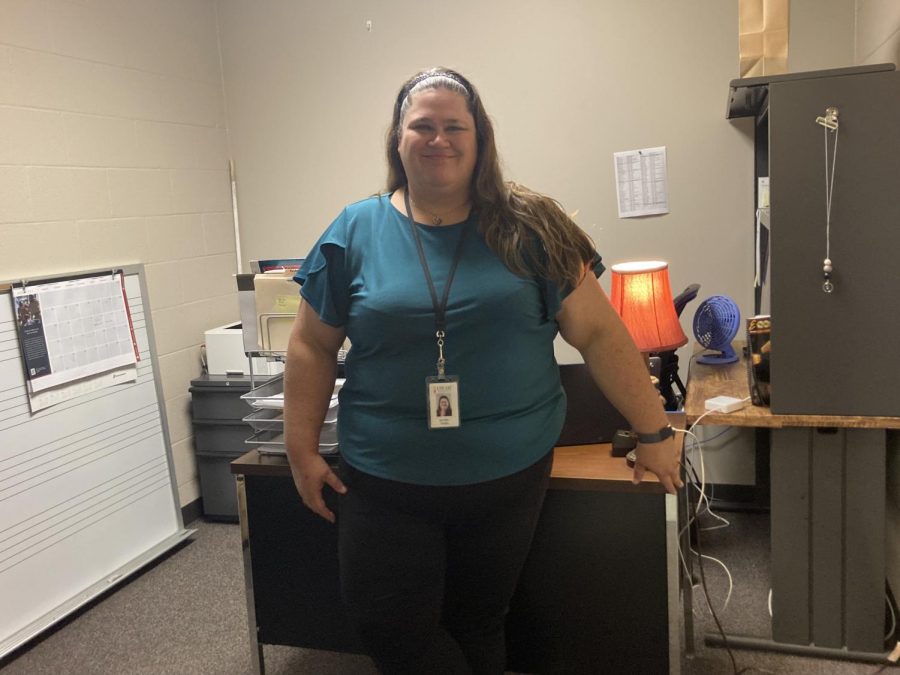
[
  {"x": 323, "y": 278},
  {"x": 554, "y": 294}
]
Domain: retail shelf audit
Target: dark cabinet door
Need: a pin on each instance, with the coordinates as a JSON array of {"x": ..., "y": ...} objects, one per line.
[{"x": 835, "y": 353}]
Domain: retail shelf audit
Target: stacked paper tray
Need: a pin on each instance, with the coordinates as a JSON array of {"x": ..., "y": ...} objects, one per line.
[
  {"x": 267, "y": 418},
  {"x": 270, "y": 394}
]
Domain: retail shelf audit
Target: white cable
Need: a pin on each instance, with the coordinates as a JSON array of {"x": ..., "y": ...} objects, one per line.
[
  {"x": 709, "y": 412},
  {"x": 687, "y": 576},
  {"x": 727, "y": 574},
  {"x": 695, "y": 441},
  {"x": 725, "y": 523},
  {"x": 893, "y": 617},
  {"x": 692, "y": 517},
  {"x": 703, "y": 497},
  {"x": 697, "y": 421},
  {"x": 770, "y": 603},
  {"x": 710, "y": 498},
  {"x": 700, "y": 489}
]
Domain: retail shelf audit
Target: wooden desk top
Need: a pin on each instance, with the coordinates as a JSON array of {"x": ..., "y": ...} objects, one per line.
[
  {"x": 575, "y": 467},
  {"x": 705, "y": 381}
]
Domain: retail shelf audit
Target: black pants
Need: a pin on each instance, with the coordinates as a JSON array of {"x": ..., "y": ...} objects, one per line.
[{"x": 427, "y": 572}]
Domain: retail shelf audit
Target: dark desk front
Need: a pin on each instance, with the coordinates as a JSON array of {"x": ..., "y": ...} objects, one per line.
[{"x": 599, "y": 592}]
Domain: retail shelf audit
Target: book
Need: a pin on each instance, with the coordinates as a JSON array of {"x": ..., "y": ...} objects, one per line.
[{"x": 759, "y": 345}]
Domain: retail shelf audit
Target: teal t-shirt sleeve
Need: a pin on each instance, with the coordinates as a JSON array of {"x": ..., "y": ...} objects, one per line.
[
  {"x": 554, "y": 294},
  {"x": 324, "y": 282}
]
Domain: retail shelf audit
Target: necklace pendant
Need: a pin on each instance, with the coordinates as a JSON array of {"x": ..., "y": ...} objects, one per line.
[
  {"x": 827, "y": 269},
  {"x": 437, "y": 220}
]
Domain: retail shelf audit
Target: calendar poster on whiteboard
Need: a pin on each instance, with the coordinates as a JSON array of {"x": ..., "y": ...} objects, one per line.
[{"x": 73, "y": 329}]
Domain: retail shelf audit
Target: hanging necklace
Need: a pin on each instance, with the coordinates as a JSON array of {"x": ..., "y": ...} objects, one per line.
[
  {"x": 435, "y": 218},
  {"x": 830, "y": 123}
]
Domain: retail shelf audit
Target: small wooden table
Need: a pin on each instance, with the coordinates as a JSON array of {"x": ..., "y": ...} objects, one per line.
[
  {"x": 827, "y": 513},
  {"x": 599, "y": 591}
]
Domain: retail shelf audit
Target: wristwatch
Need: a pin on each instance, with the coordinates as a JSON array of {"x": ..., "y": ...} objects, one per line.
[{"x": 657, "y": 436}]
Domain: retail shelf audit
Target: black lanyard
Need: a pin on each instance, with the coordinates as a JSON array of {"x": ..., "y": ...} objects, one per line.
[{"x": 440, "y": 309}]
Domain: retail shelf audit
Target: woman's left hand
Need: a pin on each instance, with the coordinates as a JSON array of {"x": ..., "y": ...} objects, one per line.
[{"x": 663, "y": 459}]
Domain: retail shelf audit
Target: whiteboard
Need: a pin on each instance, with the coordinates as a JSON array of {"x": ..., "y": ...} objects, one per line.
[{"x": 87, "y": 487}]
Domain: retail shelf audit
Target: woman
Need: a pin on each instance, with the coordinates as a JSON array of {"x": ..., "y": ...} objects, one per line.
[
  {"x": 443, "y": 407},
  {"x": 452, "y": 278}
]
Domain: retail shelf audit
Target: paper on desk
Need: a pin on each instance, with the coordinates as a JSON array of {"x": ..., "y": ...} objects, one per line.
[
  {"x": 763, "y": 31},
  {"x": 642, "y": 182}
]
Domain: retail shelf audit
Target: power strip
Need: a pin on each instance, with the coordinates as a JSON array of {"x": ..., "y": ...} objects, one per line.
[{"x": 725, "y": 404}]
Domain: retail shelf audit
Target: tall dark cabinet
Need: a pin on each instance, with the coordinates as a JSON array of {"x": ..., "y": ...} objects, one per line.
[
  {"x": 833, "y": 370},
  {"x": 828, "y": 349}
]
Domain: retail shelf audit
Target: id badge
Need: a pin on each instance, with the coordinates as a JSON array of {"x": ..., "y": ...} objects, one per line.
[{"x": 442, "y": 394}]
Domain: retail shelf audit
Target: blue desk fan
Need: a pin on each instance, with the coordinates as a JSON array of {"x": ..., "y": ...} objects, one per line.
[{"x": 715, "y": 325}]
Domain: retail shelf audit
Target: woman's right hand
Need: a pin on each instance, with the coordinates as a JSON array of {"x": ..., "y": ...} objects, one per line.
[{"x": 311, "y": 472}]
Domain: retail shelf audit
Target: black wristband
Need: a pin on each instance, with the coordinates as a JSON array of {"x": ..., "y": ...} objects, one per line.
[{"x": 657, "y": 436}]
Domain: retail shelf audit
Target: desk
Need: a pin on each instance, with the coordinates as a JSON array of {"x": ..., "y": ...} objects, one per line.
[
  {"x": 599, "y": 591},
  {"x": 827, "y": 514}
]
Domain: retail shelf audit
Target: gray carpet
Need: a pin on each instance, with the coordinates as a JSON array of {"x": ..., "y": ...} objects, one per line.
[{"x": 187, "y": 614}]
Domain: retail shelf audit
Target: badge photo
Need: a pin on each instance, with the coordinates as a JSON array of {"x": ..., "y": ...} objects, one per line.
[{"x": 443, "y": 402}]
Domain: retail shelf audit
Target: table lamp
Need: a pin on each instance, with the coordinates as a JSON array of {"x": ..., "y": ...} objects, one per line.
[{"x": 643, "y": 298}]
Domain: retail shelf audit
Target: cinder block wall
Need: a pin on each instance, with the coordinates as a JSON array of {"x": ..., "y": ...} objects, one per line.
[{"x": 113, "y": 150}]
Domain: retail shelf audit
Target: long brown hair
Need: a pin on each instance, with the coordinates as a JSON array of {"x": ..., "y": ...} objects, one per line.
[{"x": 528, "y": 231}]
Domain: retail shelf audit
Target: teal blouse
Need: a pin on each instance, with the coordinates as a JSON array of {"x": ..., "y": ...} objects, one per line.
[{"x": 364, "y": 275}]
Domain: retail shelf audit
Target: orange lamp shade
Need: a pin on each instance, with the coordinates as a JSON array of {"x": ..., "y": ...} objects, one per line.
[{"x": 643, "y": 298}]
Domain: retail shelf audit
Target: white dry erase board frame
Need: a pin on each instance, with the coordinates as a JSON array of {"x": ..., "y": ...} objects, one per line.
[{"x": 87, "y": 487}]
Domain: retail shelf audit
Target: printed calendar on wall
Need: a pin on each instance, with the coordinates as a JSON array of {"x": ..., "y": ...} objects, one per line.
[{"x": 73, "y": 331}]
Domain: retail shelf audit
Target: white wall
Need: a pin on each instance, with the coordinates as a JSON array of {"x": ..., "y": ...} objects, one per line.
[
  {"x": 310, "y": 89},
  {"x": 113, "y": 134},
  {"x": 113, "y": 150},
  {"x": 309, "y": 92},
  {"x": 877, "y": 31},
  {"x": 822, "y": 34}
]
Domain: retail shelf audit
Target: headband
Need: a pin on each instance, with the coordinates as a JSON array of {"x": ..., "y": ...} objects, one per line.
[
  {"x": 431, "y": 75},
  {"x": 428, "y": 75}
]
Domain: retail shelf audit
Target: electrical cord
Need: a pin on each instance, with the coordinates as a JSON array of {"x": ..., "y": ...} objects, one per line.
[
  {"x": 693, "y": 473},
  {"x": 709, "y": 603},
  {"x": 715, "y": 616},
  {"x": 893, "y": 618},
  {"x": 712, "y": 499},
  {"x": 704, "y": 498},
  {"x": 727, "y": 574},
  {"x": 699, "y": 484}
]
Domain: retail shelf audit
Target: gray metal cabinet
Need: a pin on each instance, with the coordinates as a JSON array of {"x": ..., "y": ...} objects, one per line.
[{"x": 219, "y": 434}]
